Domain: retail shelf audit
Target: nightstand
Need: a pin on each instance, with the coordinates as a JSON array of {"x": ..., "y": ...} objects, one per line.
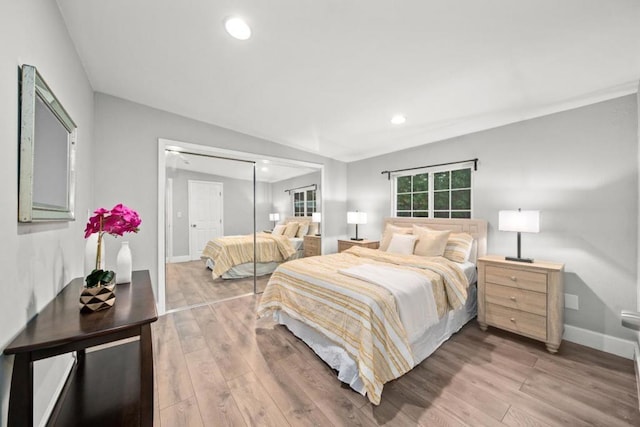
[
  {"x": 343, "y": 245},
  {"x": 525, "y": 298},
  {"x": 312, "y": 245}
]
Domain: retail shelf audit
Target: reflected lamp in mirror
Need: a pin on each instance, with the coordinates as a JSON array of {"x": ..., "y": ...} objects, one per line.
[
  {"x": 275, "y": 217},
  {"x": 356, "y": 218},
  {"x": 521, "y": 222},
  {"x": 317, "y": 218},
  {"x": 46, "y": 184}
]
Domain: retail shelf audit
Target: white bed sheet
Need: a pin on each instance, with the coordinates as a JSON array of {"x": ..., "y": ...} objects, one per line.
[
  {"x": 470, "y": 271},
  {"x": 337, "y": 358}
]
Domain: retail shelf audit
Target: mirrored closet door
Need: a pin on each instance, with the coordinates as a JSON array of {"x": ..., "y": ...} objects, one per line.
[
  {"x": 209, "y": 199},
  {"x": 220, "y": 209}
]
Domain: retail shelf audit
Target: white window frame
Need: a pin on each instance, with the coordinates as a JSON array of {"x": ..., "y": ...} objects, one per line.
[
  {"x": 431, "y": 192},
  {"x": 304, "y": 197}
]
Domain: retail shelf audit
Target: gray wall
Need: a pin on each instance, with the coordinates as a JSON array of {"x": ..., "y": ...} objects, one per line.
[
  {"x": 125, "y": 127},
  {"x": 37, "y": 260},
  {"x": 237, "y": 205},
  {"x": 283, "y": 202},
  {"x": 579, "y": 168},
  {"x": 638, "y": 238}
]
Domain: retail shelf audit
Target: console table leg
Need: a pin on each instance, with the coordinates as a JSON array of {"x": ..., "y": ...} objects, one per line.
[
  {"x": 21, "y": 395},
  {"x": 146, "y": 379}
]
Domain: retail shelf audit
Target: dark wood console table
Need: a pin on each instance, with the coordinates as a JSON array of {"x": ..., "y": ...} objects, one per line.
[{"x": 112, "y": 386}]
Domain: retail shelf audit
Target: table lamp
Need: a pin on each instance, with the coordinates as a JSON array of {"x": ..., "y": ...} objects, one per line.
[
  {"x": 522, "y": 222},
  {"x": 317, "y": 217},
  {"x": 356, "y": 218},
  {"x": 275, "y": 217}
]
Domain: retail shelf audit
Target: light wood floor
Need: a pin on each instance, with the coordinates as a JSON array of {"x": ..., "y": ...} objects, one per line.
[
  {"x": 190, "y": 283},
  {"x": 217, "y": 365}
]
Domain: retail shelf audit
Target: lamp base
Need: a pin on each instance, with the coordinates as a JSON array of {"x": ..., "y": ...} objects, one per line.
[
  {"x": 356, "y": 239},
  {"x": 512, "y": 258}
]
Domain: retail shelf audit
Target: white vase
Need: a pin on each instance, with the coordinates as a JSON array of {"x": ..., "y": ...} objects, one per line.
[
  {"x": 90, "y": 252},
  {"x": 123, "y": 264}
]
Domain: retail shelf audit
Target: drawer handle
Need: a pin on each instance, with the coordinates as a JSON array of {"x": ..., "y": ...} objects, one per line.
[
  {"x": 512, "y": 298},
  {"x": 513, "y": 319},
  {"x": 514, "y": 278}
]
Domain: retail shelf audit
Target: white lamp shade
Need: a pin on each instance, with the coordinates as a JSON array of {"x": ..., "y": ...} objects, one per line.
[
  {"x": 356, "y": 218},
  {"x": 524, "y": 221},
  {"x": 316, "y": 217},
  {"x": 274, "y": 217}
]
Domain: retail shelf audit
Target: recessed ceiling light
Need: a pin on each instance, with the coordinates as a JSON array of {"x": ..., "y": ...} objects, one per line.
[
  {"x": 266, "y": 161},
  {"x": 398, "y": 119},
  {"x": 265, "y": 169},
  {"x": 237, "y": 28}
]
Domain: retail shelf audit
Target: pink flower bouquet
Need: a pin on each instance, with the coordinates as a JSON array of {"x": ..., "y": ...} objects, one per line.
[{"x": 117, "y": 221}]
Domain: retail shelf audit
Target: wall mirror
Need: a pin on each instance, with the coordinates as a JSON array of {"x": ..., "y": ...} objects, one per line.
[
  {"x": 206, "y": 194},
  {"x": 47, "y": 153}
]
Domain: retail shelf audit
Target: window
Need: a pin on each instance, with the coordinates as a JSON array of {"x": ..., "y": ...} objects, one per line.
[
  {"x": 437, "y": 194},
  {"x": 304, "y": 202}
]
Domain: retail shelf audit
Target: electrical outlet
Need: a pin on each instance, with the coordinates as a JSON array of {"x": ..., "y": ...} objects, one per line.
[
  {"x": 179, "y": 214},
  {"x": 571, "y": 301}
]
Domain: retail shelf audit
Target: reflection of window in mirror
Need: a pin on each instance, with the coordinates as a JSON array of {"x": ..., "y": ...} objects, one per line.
[{"x": 304, "y": 202}]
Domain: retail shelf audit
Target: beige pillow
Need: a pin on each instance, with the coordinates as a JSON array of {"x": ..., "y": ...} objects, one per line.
[
  {"x": 303, "y": 229},
  {"x": 291, "y": 229},
  {"x": 402, "y": 244},
  {"x": 313, "y": 229},
  {"x": 458, "y": 247},
  {"x": 430, "y": 242},
  {"x": 278, "y": 229},
  {"x": 388, "y": 234}
]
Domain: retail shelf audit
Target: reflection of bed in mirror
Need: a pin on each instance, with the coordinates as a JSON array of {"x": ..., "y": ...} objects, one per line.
[
  {"x": 231, "y": 257},
  {"x": 373, "y": 315}
]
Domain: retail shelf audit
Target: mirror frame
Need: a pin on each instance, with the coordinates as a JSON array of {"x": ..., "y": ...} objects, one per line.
[{"x": 33, "y": 86}]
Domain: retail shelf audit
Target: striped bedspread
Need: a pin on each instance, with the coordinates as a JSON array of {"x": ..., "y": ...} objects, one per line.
[
  {"x": 229, "y": 251},
  {"x": 360, "y": 316}
]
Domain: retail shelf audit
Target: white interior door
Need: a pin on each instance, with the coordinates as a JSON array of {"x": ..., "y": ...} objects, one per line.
[{"x": 205, "y": 215}]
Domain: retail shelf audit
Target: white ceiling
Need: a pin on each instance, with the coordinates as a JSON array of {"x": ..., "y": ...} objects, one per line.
[
  {"x": 266, "y": 170},
  {"x": 326, "y": 76}
]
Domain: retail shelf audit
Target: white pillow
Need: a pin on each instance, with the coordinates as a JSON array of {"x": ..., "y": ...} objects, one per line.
[
  {"x": 278, "y": 229},
  {"x": 430, "y": 242},
  {"x": 389, "y": 231},
  {"x": 402, "y": 244}
]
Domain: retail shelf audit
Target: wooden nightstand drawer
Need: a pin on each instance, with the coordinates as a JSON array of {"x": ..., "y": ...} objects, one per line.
[
  {"x": 516, "y": 278},
  {"x": 517, "y": 321},
  {"x": 518, "y": 299},
  {"x": 312, "y": 245}
]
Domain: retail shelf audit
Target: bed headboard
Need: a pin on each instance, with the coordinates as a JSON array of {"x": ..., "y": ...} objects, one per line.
[
  {"x": 289, "y": 219},
  {"x": 477, "y": 228}
]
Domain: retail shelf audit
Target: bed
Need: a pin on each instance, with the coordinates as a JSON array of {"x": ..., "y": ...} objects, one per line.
[
  {"x": 373, "y": 315},
  {"x": 231, "y": 257}
]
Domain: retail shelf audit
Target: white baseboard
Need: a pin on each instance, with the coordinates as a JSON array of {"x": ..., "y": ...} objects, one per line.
[
  {"x": 607, "y": 343},
  {"x": 181, "y": 258},
  {"x": 54, "y": 398}
]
